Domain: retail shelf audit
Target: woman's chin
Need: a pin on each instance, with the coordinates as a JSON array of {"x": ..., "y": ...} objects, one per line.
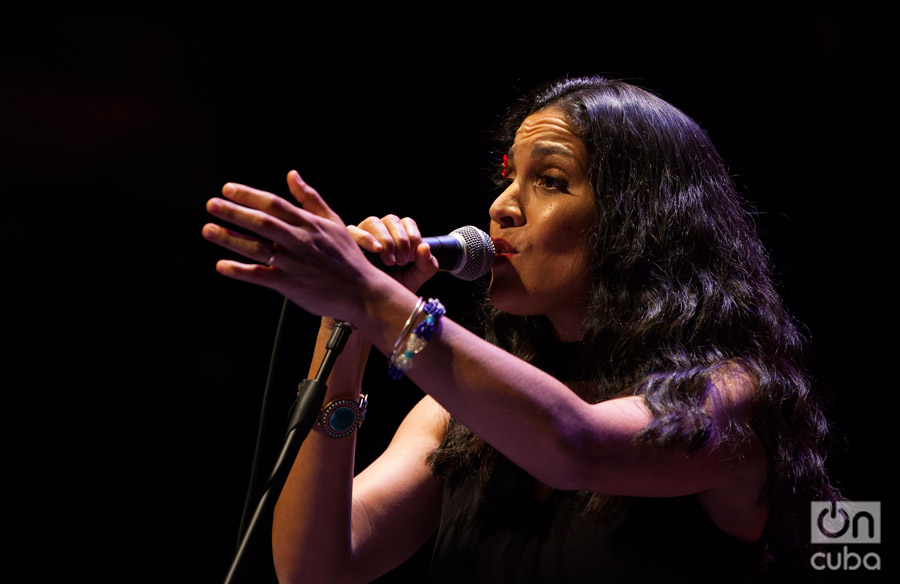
[{"x": 503, "y": 298}]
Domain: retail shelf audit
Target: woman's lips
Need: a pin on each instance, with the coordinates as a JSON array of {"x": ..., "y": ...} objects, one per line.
[
  {"x": 502, "y": 251},
  {"x": 502, "y": 247}
]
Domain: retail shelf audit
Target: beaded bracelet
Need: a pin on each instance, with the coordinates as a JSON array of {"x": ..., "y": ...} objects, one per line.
[
  {"x": 405, "y": 332},
  {"x": 401, "y": 361},
  {"x": 413, "y": 317}
]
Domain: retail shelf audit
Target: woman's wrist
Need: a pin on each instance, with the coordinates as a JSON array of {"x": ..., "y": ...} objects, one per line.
[{"x": 386, "y": 309}]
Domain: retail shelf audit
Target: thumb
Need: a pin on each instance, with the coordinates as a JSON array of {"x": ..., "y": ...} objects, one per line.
[
  {"x": 310, "y": 198},
  {"x": 426, "y": 265}
]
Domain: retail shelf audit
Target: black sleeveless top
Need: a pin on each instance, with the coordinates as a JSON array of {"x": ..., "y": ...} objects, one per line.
[
  {"x": 500, "y": 532},
  {"x": 503, "y": 533}
]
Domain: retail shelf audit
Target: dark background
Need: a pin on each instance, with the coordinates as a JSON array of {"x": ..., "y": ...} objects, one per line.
[{"x": 133, "y": 374}]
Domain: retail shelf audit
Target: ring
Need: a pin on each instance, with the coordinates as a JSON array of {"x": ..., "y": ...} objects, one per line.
[{"x": 271, "y": 259}]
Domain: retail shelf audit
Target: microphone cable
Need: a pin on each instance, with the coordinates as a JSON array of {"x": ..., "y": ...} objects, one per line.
[{"x": 264, "y": 417}]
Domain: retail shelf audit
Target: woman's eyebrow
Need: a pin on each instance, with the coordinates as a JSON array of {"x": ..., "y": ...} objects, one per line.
[
  {"x": 541, "y": 150},
  {"x": 547, "y": 150}
]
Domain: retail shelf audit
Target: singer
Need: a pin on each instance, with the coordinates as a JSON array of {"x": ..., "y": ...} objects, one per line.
[{"x": 634, "y": 407}]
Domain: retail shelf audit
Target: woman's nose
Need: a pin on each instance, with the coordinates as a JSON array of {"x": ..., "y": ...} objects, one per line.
[{"x": 506, "y": 210}]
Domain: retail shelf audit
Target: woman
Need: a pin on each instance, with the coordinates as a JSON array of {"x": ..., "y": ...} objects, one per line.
[{"x": 638, "y": 410}]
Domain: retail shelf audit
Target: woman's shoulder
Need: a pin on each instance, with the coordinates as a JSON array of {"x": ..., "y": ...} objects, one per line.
[
  {"x": 736, "y": 505},
  {"x": 732, "y": 392}
]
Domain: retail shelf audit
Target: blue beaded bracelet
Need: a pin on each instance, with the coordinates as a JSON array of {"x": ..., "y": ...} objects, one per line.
[{"x": 402, "y": 361}]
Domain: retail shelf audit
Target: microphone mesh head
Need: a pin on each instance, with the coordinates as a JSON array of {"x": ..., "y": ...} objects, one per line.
[{"x": 478, "y": 253}]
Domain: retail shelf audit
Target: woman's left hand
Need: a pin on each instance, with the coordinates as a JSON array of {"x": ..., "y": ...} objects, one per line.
[
  {"x": 305, "y": 253},
  {"x": 399, "y": 243}
]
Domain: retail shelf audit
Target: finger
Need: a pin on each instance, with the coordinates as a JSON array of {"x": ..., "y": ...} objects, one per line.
[
  {"x": 425, "y": 267},
  {"x": 364, "y": 239},
  {"x": 250, "y": 247},
  {"x": 263, "y": 201},
  {"x": 401, "y": 239},
  {"x": 259, "y": 222},
  {"x": 426, "y": 263},
  {"x": 252, "y": 273},
  {"x": 415, "y": 237},
  {"x": 379, "y": 231},
  {"x": 310, "y": 198}
]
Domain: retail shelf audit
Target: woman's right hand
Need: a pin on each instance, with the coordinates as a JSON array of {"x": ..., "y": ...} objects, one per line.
[{"x": 398, "y": 242}]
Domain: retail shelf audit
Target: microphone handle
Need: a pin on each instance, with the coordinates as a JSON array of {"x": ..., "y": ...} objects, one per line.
[{"x": 448, "y": 250}]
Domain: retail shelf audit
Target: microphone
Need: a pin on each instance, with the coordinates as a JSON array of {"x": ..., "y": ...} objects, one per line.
[{"x": 466, "y": 253}]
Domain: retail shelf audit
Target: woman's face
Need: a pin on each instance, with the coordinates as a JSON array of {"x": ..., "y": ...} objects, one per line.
[{"x": 541, "y": 226}]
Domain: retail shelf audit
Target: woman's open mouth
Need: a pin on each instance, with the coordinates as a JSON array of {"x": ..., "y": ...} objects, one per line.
[
  {"x": 502, "y": 247},
  {"x": 502, "y": 251}
]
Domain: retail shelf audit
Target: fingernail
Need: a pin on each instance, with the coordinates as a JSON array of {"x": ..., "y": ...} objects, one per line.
[{"x": 228, "y": 189}]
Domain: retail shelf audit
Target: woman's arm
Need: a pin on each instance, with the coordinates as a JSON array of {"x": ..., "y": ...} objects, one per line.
[
  {"x": 566, "y": 443},
  {"x": 330, "y": 527},
  {"x": 544, "y": 427}
]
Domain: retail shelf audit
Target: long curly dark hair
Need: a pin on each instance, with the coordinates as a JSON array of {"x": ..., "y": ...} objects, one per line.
[{"x": 682, "y": 287}]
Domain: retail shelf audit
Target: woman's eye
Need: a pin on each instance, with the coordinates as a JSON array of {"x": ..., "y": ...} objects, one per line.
[{"x": 553, "y": 183}]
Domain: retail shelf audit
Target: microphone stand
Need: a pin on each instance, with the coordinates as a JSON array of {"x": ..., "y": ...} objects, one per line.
[{"x": 310, "y": 398}]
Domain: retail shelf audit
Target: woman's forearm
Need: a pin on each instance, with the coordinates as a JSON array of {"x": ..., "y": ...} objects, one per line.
[
  {"x": 311, "y": 531},
  {"x": 510, "y": 404},
  {"x": 537, "y": 421}
]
